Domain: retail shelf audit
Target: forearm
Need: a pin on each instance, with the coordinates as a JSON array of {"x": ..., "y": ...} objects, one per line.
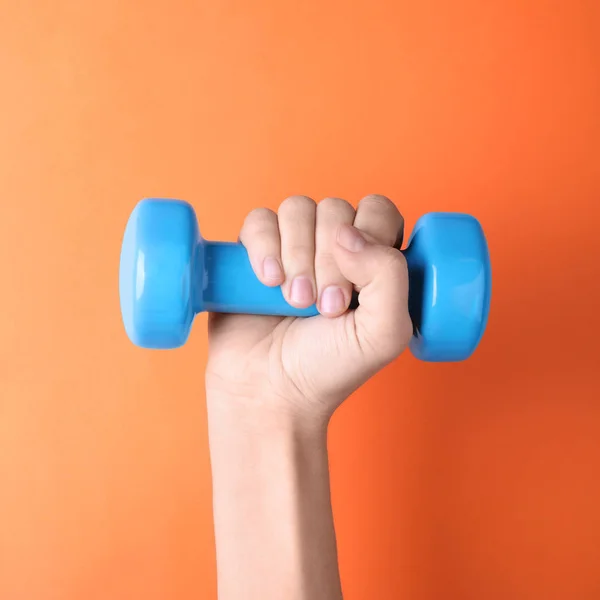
[{"x": 272, "y": 510}]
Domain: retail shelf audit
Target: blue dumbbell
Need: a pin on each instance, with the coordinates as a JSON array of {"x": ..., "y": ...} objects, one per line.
[{"x": 168, "y": 273}]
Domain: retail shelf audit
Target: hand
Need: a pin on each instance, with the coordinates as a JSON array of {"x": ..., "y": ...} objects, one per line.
[
  {"x": 272, "y": 384},
  {"x": 317, "y": 253}
]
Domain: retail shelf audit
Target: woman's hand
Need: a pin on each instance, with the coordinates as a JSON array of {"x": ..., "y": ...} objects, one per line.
[
  {"x": 272, "y": 384},
  {"x": 319, "y": 253}
]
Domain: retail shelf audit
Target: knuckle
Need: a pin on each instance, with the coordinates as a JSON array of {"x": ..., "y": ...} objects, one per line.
[
  {"x": 332, "y": 204},
  {"x": 261, "y": 213},
  {"x": 260, "y": 217},
  {"x": 295, "y": 204},
  {"x": 378, "y": 201},
  {"x": 395, "y": 261},
  {"x": 382, "y": 218},
  {"x": 260, "y": 232}
]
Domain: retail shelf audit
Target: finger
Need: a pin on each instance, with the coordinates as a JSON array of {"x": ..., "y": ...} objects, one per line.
[
  {"x": 260, "y": 236},
  {"x": 381, "y": 322},
  {"x": 381, "y": 221},
  {"x": 334, "y": 291},
  {"x": 297, "y": 216}
]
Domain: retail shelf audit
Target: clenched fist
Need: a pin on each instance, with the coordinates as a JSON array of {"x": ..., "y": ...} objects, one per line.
[{"x": 321, "y": 253}]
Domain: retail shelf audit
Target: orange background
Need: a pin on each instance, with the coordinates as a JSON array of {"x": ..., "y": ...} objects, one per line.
[{"x": 465, "y": 481}]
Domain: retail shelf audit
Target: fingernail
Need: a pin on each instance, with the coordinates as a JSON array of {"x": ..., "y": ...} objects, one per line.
[
  {"x": 350, "y": 238},
  {"x": 301, "y": 292},
  {"x": 332, "y": 300},
  {"x": 272, "y": 268}
]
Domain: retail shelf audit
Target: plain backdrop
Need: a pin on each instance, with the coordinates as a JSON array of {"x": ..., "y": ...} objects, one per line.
[{"x": 456, "y": 481}]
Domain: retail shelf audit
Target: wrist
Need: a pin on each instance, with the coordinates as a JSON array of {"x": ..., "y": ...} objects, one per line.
[
  {"x": 253, "y": 415},
  {"x": 250, "y": 440}
]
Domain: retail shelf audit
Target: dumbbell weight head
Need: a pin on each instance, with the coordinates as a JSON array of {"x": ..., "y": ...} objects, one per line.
[
  {"x": 168, "y": 273},
  {"x": 450, "y": 285},
  {"x": 156, "y": 276}
]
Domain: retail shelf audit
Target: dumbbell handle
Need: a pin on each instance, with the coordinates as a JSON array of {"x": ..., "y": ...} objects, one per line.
[{"x": 228, "y": 284}]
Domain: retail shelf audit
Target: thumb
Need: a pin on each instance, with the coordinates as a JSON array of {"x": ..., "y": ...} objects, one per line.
[{"x": 382, "y": 322}]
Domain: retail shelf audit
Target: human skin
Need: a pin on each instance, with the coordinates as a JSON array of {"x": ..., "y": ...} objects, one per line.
[{"x": 273, "y": 384}]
